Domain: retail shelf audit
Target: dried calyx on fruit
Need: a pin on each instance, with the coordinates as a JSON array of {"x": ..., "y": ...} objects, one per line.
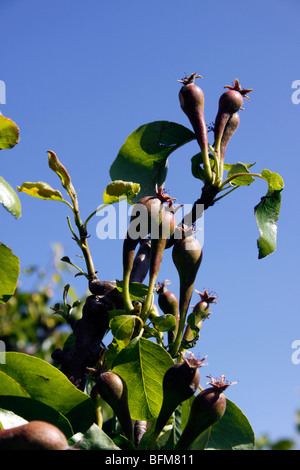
[
  {"x": 230, "y": 103},
  {"x": 191, "y": 99},
  {"x": 180, "y": 382},
  {"x": 112, "y": 388},
  {"x": 35, "y": 435},
  {"x": 207, "y": 408}
]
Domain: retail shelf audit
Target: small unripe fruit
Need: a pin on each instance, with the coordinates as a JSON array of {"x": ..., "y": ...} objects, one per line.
[
  {"x": 191, "y": 99},
  {"x": 187, "y": 257},
  {"x": 230, "y": 103},
  {"x": 113, "y": 390},
  {"x": 207, "y": 408},
  {"x": 35, "y": 435},
  {"x": 180, "y": 382},
  {"x": 168, "y": 303}
]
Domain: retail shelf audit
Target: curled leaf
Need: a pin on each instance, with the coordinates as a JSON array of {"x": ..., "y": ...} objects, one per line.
[
  {"x": 120, "y": 189},
  {"x": 59, "y": 169},
  {"x": 41, "y": 190},
  {"x": 267, "y": 214}
]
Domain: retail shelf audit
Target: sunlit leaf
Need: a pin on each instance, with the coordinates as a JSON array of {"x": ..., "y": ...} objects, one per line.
[
  {"x": 28, "y": 376},
  {"x": 9, "y": 273},
  {"x": 120, "y": 189},
  {"x": 144, "y": 155},
  {"x": 9, "y": 198},
  {"x": 41, "y": 190},
  {"x": 142, "y": 365},
  {"x": 9, "y": 133}
]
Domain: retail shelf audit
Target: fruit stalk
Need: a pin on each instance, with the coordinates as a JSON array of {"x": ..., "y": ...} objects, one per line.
[
  {"x": 187, "y": 257},
  {"x": 165, "y": 227}
]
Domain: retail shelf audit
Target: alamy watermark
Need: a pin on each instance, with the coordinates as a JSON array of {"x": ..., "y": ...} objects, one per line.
[
  {"x": 119, "y": 219},
  {"x": 2, "y": 352},
  {"x": 296, "y": 94},
  {"x": 296, "y": 353},
  {"x": 2, "y": 93}
]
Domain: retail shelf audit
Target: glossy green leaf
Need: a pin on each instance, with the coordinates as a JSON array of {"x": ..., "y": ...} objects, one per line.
[
  {"x": 244, "y": 180},
  {"x": 267, "y": 214},
  {"x": 165, "y": 322},
  {"x": 120, "y": 189},
  {"x": 232, "y": 432},
  {"x": 9, "y": 133},
  {"x": 41, "y": 190},
  {"x": 142, "y": 365},
  {"x": 122, "y": 326},
  {"x": 196, "y": 168},
  {"x": 136, "y": 290},
  {"x": 9, "y": 198},
  {"x": 8, "y": 419},
  {"x": 229, "y": 166},
  {"x": 144, "y": 155},
  {"x": 24, "y": 375},
  {"x": 31, "y": 410},
  {"x": 9, "y": 273},
  {"x": 96, "y": 439}
]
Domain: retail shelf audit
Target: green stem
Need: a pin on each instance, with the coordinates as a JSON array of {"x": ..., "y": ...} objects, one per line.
[
  {"x": 94, "y": 213},
  {"x": 220, "y": 197},
  {"x": 82, "y": 239}
]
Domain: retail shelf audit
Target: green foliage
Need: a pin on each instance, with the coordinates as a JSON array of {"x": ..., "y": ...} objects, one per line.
[
  {"x": 140, "y": 347},
  {"x": 9, "y": 273},
  {"x": 144, "y": 154},
  {"x": 29, "y": 377}
]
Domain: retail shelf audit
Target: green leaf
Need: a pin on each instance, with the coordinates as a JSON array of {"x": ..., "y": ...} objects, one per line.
[
  {"x": 267, "y": 214},
  {"x": 142, "y": 365},
  {"x": 41, "y": 190},
  {"x": 232, "y": 432},
  {"x": 9, "y": 198},
  {"x": 9, "y": 273},
  {"x": 8, "y": 419},
  {"x": 196, "y": 162},
  {"x": 228, "y": 166},
  {"x": 9, "y": 133},
  {"x": 144, "y": 155},
  {"x": 31, "y": 410},
  {"x": 165, "y": 322},
  {"x": 27, "y": 376},
  {"x": 244, "y": 180},
  {"x": 122, "y": 326},
  {"x": 120, "y": 189},
  {"x": 96, "y": 439},
  {"x": 136, "y": 290}
]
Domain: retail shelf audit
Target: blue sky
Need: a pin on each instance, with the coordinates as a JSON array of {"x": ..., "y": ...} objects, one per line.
[{"x": 80, "y": 77}]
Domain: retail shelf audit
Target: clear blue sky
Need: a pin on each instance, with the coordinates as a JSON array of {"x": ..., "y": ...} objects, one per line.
[{"x": 81, "y": 76}]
